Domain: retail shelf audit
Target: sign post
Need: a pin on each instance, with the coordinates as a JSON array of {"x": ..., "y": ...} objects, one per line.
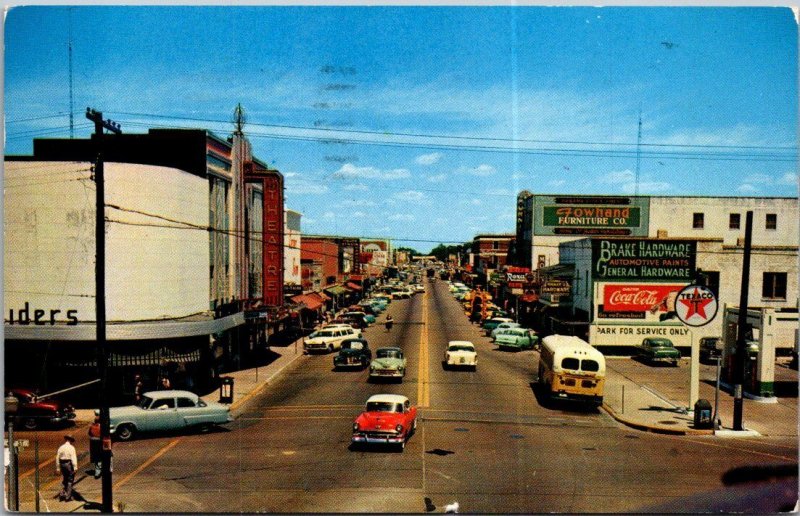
[{"x": 696, "y": 305}]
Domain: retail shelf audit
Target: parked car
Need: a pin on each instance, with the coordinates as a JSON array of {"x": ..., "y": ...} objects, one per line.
[
  {"x": 354, "y": 353},
  {"x": 160, "y": 411},
  {"x": 387, "y": 419},
  {"x": 34, "y": 413},
  {"x": 710, "y": 349},
  {"x": 517, "y": 338},
  {"x": 354, "y": 319},
  {"x": 494, "y": 322},
  {"x": 352, "y": 332},
  {"x": 327, "y": 339},
  {"x": 368, "y": 318},
  {"x": 419, "y": 287},
  {"x": 503, "y": 326},
  {"x": 460, "y": 353},
  {"x": 389, "y": 362},
  {"x": 658, "y": 349}
]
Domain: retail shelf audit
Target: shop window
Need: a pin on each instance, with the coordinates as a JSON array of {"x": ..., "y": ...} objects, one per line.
[
  {"x": 772, "y": 221},
  {"x": 774, "y": 285},
  {"x": 735, "y": 221},
  {"x": 698, "y": 221}
]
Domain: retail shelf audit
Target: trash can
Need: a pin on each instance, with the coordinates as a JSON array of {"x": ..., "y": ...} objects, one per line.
[
  {"x": 702, "y": 414},
  {"x": 226, "y": 390}
]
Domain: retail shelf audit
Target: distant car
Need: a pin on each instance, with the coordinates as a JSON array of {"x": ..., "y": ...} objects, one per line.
[
  {"x": 710, "y": 348},
  {"x": 355, "y": 319},
  {"x": 387, "y": 419},
  {"x": 389, "y": 362},
  {"x": 657, "y": 349},
  {"x": 494, "y": 322},
  {"x": 327, "y": 339},
  {"x": 33, "y": 413},
  {"x": 354, "y": 353},
  {"x": 517, "y": 338},
  {"x": 460, "y": 353},
  {"x": 368, "y": 318},
  {"x": 503, "y": 326},
  {"x": 419, "y": 287},
  {"x": 160, "y": 411}
]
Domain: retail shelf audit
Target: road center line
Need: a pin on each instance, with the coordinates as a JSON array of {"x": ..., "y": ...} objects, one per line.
[
  {"x": 146, "y": 463},
  {"x": 423, "y": 385}
]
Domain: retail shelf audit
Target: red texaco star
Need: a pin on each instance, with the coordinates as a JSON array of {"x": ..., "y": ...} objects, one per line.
[{"x": 696, "y": 305}]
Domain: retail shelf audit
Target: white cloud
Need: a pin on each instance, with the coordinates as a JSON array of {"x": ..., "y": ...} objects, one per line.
[
  {"x": 438, "y": 178},
  {"x": 410, "y": 196},
  {"x": 358, "y": 202},
  {"x": 789, "y": 178},
  {"x": 329, "y": 215},
  {"x": 646, "y": 187},
  {"x": 350, "y": 171},
  {"x": 307, "y": 220},
  {"x": 475, "y": 202},
  {"x": 402, "y": 216},
  {"x": 429, "y": 159},
  {"x": 356, "y": 188},
  {"x": 618, "y": 176},
  {"x": 482, "y": 170},
  {"x": 358, "y": 214},
  {"x": 746, "y": 188},
  {"x": 297, "y": 185},
  {"x": 557, "y": 183}
]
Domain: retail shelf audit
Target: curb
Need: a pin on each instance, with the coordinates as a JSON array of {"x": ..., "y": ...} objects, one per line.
[
  {"x": 236, "y": 405},
  {"x": 655, "y": 428}
]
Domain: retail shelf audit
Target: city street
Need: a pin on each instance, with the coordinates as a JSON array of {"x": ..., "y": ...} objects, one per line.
[{"x": 483, "y": 440}]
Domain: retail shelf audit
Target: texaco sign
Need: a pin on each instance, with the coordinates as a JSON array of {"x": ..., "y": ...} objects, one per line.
[{"x": 696, "y": 305}]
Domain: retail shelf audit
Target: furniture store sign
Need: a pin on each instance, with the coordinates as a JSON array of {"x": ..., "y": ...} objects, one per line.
[
  {"x": 591, "y": 215},
  {"x": 632, "y": 335},
  {"x": 644, "y": 260}
]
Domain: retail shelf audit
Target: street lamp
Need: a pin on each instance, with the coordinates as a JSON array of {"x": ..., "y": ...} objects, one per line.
[{"x": 13, "y": 485}]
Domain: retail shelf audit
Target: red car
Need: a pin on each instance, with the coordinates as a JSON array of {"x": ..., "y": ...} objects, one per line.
[
  {"x": 388, "y": 419},
  {"x": 33, "y": 413}
]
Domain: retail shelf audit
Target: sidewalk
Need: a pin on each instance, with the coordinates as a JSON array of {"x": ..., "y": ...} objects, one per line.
[{"x": 655, "y": 399}]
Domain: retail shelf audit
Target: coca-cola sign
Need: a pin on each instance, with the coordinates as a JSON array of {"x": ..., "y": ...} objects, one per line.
[{"x": 637, "y": 298}]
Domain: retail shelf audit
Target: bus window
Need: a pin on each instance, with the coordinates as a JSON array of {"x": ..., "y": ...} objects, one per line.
[
  {"x": 590, "y": 365},
  {"x": 570, "y": 363}
]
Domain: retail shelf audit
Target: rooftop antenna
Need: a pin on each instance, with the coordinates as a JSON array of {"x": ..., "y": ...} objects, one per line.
[
  {"x": 638, "y": 151},
  {"x": 239, "y": 118},
  {"x": 71, "y": 99}
]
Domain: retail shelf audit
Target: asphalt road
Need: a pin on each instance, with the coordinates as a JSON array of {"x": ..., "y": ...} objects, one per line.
[{"x": 484, "y": 440}]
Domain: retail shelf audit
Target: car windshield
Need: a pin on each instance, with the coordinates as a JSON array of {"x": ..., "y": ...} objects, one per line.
[
  {"x": 460, "y": 347},
  {"x": 353, "y": 344},
  {"x": 384, "y": 406},
  {"x": 388, "y": 353},
  {"x": 661, "y": 343},
  {"x": 144, "y": 402}
]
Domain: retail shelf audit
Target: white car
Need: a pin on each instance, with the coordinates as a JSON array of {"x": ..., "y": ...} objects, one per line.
[
  {"x": 327, "y": 339},
  {"x": 460, "y": 353},
  {"x": 419, "y": 287},
  {"x": 354, "y": 332}
]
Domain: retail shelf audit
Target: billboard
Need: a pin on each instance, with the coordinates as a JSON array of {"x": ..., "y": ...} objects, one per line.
[
  {"x": 591, "y": 215},
  {"x": 648, "y": 260},
  {"x": 637, "y": 301}
]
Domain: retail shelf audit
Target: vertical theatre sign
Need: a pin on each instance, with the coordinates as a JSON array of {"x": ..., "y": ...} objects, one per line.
[
  {"x": 272, "y": 244},
  {"x": 643, "y": 260}
]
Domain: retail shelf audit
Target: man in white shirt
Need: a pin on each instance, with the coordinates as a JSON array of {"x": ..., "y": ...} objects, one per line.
[{"x": 66, "y": 464}]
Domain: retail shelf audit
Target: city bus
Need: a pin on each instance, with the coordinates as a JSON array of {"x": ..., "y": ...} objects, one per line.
[{"x": 570, "y": 368}]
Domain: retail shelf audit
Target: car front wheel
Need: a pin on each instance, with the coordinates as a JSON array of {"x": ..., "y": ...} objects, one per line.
[{"x": 125, "y": 432}]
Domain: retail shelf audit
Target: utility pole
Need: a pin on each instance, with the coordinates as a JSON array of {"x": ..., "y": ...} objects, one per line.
[
  {"x": 100, "y": 301},
  {"x": 741, "y": 338}
]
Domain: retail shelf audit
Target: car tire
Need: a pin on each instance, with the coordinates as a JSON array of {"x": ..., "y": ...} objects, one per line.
[
  {"x": 125, "y": 432},
  {"x": 330, "y": 348},
  {"x": 30, "y": 423},
  {"x": 414, "y": 427},
  {"x": 205, "y": 428},
  {"x": 402, "y": 446}
]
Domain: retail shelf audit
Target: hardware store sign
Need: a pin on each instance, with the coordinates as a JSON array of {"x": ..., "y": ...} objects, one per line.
[{"x": 649, "y": 260}]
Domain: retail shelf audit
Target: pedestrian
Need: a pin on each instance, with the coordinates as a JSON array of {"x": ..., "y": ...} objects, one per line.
[
  {"x": 66, "y": 464},
  {"x": 138, "y": 386},
  {"x": 389, "y": 323},
  {"x": 96, "y": 447},
  {"x": 165, "y": 383}
]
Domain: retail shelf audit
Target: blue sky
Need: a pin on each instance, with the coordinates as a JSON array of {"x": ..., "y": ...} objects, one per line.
[{"x": 455, "y": 109}]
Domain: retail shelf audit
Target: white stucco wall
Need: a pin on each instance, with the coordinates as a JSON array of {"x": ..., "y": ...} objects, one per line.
[{"x": 151, "y": 272}]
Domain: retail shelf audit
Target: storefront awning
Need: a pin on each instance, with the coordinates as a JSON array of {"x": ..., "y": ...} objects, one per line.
[
  {"x": 336, "y": 290},
  {"x": 152, "y": 358},
  {"x": 353, "y": 286},
  {"x": 308, "y": 301},
  {"x": 321, "y": 296}
]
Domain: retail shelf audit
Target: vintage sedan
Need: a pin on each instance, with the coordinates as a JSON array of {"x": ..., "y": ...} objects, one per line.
[
  {"x": 460, "y": 353},
  {"x": 657, "y": 349},
  {"x": 33, "y": 412},
  {"x": 387, "y": 419},
  {"x": 354, "y": 353},
  {"x": 494, "y": 322},
  {"x": 516, "y": 338},
  {"x": 388, "y": 363},
  {"x": 160, "y": 411},
  {"x": 503, "y": 326}
]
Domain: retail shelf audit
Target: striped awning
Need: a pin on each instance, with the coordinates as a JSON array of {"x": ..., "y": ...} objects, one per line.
[
  {"x": 336, "y": 290},
  {"x": 152, "y": 358},
  {"x": 353, "y": 286},
  {"x": 321, "y": 295}
]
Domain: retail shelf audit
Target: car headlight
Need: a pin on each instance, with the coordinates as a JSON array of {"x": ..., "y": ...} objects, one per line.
[
  {"x": 355, "y": 427},
  {"x": 398, "y": 428}
]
